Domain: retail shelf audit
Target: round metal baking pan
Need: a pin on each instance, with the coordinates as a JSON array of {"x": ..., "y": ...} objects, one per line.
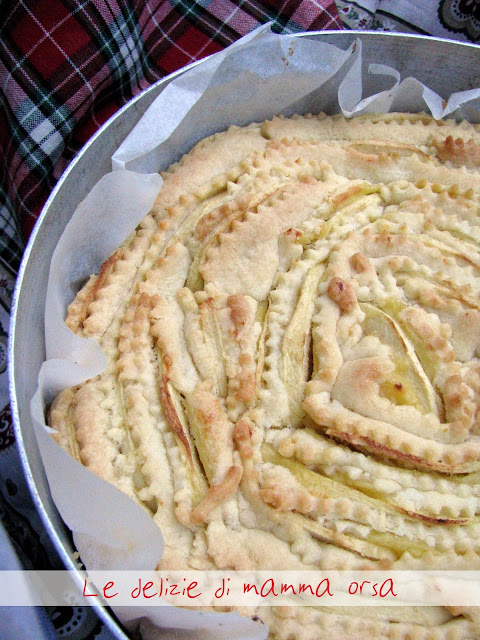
[{"x": 446, "y": 66}]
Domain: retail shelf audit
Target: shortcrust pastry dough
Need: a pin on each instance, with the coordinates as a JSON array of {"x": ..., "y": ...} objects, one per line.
[{"x": 293, "y": 346}]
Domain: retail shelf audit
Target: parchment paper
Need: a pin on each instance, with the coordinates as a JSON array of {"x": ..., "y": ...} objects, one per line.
[{"x": 262, "y": 75}]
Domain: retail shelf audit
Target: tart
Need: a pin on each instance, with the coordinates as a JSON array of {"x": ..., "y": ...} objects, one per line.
[{"x": 293, "y": 340}]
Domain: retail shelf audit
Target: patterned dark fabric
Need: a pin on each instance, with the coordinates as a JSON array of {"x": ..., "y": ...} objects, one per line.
[{"x": 457, "y": 19}]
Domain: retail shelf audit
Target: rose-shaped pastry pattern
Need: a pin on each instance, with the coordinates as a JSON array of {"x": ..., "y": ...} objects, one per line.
[{"x": 293, "y": 342}]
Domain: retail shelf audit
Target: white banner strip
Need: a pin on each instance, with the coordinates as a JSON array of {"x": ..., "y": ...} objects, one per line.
[{"x": 241, "y": 588}]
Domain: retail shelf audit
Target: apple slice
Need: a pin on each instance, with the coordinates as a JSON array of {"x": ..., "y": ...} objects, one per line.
[{"x": 408, "y": 385}]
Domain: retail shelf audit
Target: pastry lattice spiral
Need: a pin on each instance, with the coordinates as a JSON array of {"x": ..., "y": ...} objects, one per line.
[{"x": 293, "y": 342}]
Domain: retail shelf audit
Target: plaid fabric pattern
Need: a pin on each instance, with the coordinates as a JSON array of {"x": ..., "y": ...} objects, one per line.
[{"x": 67, "y": 65}]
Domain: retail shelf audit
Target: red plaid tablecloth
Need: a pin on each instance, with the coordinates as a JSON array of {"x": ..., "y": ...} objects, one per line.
[{"x": 65, "y": 67}]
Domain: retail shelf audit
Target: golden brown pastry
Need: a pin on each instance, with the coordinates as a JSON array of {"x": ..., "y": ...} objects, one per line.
[{"x": 293, "y": 342}]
